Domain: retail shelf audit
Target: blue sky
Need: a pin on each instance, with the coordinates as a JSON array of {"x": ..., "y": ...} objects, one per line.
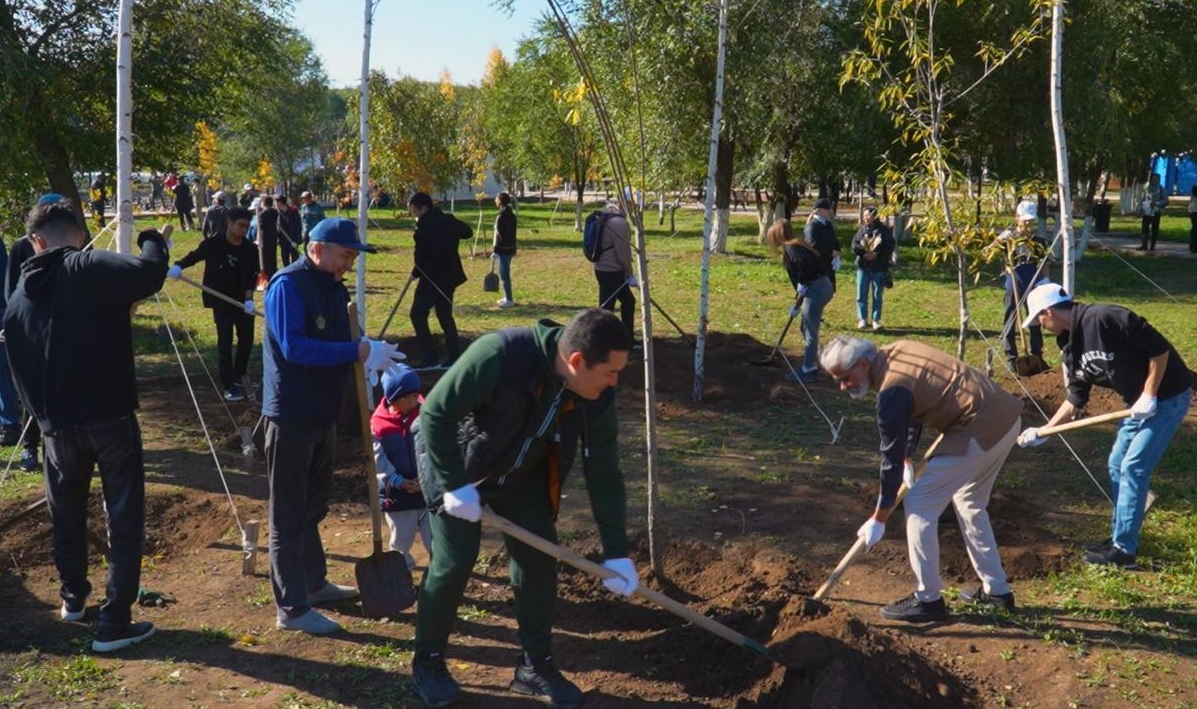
[{"x": 417, "y": 38}]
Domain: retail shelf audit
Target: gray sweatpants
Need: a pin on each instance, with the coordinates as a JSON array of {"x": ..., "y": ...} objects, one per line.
[{"x": 966, "y": 482}]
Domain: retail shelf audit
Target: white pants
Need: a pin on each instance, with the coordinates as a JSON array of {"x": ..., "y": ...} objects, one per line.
[
  {"x": 403, "y": 532},
  {"x": 966, "y": 481}
]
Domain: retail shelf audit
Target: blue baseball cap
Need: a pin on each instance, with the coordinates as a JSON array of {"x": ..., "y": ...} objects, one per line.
[
  {"x": 341, "y": 232},
  {"x": 49, "y": 198},
  {"x": 399, "y": 380}
]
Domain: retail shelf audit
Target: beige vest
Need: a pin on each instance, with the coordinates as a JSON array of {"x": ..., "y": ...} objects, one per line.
[{"x": 949, "y": 396}]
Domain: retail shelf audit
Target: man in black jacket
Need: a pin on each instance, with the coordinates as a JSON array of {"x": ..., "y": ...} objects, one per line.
[
  {"x": 1112, "y": 347},
  {"x": 67, "y": 302},
  {"x": 290, "y": 230},
  {"x": 438, "y": 266},
  {"x": 231, "y": 268},
  {"x": 268, "y": 238},
  {"x": 216, "y": 219}
]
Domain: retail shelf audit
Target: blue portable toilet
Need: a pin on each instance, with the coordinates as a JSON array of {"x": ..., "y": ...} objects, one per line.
[{"x": 1177, "y": 173}]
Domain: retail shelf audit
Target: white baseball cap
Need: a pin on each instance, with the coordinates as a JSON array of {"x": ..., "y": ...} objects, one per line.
[
  {"x": 1027, "y": 211},
  {"x": 1043, "y": 297}
]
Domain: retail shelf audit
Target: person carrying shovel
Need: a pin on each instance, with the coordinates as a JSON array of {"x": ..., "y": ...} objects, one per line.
[
  {"x": 1112, "y": 347},
  {"x": 917, "y": 384},
  {"x": 502, "y": 427}
]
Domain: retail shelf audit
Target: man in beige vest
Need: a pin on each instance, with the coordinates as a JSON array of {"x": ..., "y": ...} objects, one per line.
[{"x": 916, "y": 385}]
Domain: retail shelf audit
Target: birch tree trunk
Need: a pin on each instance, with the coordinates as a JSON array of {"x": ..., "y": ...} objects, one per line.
[
  {"x": 700, "y": 339},
  {"x": 363, "y": 170},
  {"x": 1062, "y": 182},
  {"x": 124, "y": 128}
]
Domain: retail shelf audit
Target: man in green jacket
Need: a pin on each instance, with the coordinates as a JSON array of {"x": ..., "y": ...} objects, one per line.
[{"x": 502, "y": 428}]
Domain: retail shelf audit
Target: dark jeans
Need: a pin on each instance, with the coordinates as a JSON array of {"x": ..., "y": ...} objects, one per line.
[
  {"x": 1013, "y": 321},
  {"x": 71, "y": 456},
  {"x": 299, "y": 467},
  {"x": 10, "y": 410},
  {"x": 505, "y": 273},
  {"x": 185, "y": 221},
  {"x": 1193, "y": 232},
  {"x": 613, "y": 286},
  {"x": 427, "y": 299},
  {"x": 290, "y": 253},
  {"x": 228, "y": 318},
  {"x": 269, "y": 250},
  {"x": 1150, "y": 228},
  {"x": 455, "y": 545}
]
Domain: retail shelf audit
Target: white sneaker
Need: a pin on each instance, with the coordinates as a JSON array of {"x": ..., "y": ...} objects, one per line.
[
  {"x": 876, "y": 324},
  {"x": 313, "y": 623},
  {"x": 332, "y": 592},
  {"x": 860, "y": 324},
  {"x": 505, "y": 303}
]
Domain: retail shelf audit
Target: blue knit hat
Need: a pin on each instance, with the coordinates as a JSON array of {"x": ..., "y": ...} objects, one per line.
[
  {"x": 399, "y": 380},
  {"x": 50, "y": 197}
]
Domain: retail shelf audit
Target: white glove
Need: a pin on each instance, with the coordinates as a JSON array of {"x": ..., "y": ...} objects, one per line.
[
  {"x": 463, "y": 503},
  {"x": 1030, "y": 438},
  {"x": 627, "y": 580},
  {"x": 174, "y": 272},
  {"x": 871, "y": 532},
  {"x": 801, "y": 289},
  {"x": 632, "y": 282},
  {"x": 1144, "y": 407},
  {"x": 249, "y": 307},
  {"x": 908, "y": 474},
  {"x": 835, "y": 263},
  {"x": 794, "y": 310},
  {"x": 382, "y": 355}
]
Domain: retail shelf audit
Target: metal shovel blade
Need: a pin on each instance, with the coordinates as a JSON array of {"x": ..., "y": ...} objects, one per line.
[
  {"x": 385, "y": 584},
  {"x": 1030, "y": 365}
]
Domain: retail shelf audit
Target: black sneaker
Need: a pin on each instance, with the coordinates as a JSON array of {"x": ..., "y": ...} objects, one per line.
[
  {"x": 109, "y": 639},
  {"x": 29, "y": 459},
  {"x": 432, "y": 680},
  {"x": 1000, "y": 601},
  {"x": 1102, "y": 546},
  {"x": 541, "y": 678},
  {"x": 912, "y": 610},
  {"x": 234, "y": 393},
  {"x": 1112, "y": 557}
]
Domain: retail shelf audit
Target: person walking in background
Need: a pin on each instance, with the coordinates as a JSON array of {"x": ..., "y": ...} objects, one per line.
[
  {"x": 216, "y": 219},
  {"x": 290, "y": 230},
  {"x": 98, "y": 194},
  {"x": 1193, "y": 220},
  {"x": 919, "y": 385},
  {"x": 819, "y": 232},
  {"x": 69, "y": 302},
  {"x": 613, "y": 267},
  {"x": 503, "y": 248},
  {"x": 812, "y": 287},
  {"x": 231, "y": 268},
  {"x": 268, "y": 239},
  {"x": 1112, "y": 347},
  {"x": 399, "y": 494},
  {"x": 184, "y": 204},
  {"x": 438, "y": 266},
  {"x": 310, "y": 214},
  {"x": 1152, "y": 208},
  {"x": 873, "y": 245}
]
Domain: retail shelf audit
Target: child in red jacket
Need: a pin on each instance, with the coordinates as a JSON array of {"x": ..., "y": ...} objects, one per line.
[{"x": 398, "y": 488}]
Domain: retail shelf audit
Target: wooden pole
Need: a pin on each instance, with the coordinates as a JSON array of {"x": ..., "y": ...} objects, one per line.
[
  {"x": 1083, "y": 423},
  {"x": 218, "y": 294}
]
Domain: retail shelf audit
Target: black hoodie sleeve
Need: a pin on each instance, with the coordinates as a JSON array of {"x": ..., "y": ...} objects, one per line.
[{"x": 127, "y": 279}]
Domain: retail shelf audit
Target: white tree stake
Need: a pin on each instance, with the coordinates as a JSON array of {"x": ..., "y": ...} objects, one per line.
[
  {"x": 700, "y": 340},
  {"x": 124, "y": 127}
]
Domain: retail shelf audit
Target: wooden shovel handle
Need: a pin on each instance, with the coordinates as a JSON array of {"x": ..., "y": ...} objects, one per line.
[
  {"x": 218, "y": 294},
  {"x": 580, "y": 562},
  {"x": 859, "y": 547},
  {"x": 1082, "y": 423},
  {"x": 363, "y": 410}
]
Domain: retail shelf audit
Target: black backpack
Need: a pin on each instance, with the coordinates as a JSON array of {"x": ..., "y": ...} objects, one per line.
[{"x": 592, "y": 234}]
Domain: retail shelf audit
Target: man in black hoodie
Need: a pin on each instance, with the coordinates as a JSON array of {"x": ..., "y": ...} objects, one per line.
[
  {"x": 438, "y": 266},
  {"x": 70, "y": 301}
]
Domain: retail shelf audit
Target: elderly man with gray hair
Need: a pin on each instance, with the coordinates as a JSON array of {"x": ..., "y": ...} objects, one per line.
[{"x": 917, "y": 384}]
